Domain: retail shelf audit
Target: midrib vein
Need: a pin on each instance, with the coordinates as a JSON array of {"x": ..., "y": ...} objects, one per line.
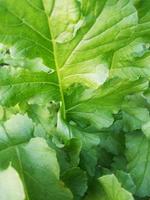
[
  {"x": 56, "y": 65},
  {"x": 22, "y": 173},
  {"x": 59, "y": 78},
  {"x": 55, "y": 59},
  {"x": 15, "y": 146}
]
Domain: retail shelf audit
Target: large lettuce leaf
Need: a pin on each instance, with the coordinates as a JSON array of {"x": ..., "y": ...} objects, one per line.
[{"x": 75, "y": 39}]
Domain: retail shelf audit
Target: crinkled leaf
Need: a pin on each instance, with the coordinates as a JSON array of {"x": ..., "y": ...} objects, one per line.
[
  {"x": 43, "y": 116},
  {"x": 8, "y": 57},
  {"x": 84, "y": 43},
  {"x": 18, "y": 85},
  {"x": 132, "y": 61},
  {"x": 33, "y": 38},
  {"x": 96, "y": 112},
  {"x": 74, "y": 38}
]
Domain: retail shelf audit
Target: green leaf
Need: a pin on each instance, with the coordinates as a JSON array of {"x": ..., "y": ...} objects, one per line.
[
  {"x": 73, "y": 38},
  {"x": 83, "y": 37},
  {"x": 81, "y": 149},
  {"x": 43, "y": 116},
  {"x": 134, "y": 112},
  {"x": 33, "y": 39},
  {"x": 97, "y": 110},
  {"x": 17, "y": 85},
  {"x": 76, "y": 180},
  {"x": 113, "y": 190},
  {"x": 77, "y": 42},
  {"x": 119, "y": 163},
  {"x": 143, "y": 9},
  {"x": 11, "y": 186},
  {"x": 138, "y": 157},
  {"x": 126, "y": 180},
  {"x": 69, "y": 155},
  {"x": 89, "y": 151},
  {"x": 108, "y": 188},
  {"x": 16, "y": 130},
  {"x": 146, "y": 129},
  {"x": 134, "y": 117},
  {"x": 112, "y": 142},
  {"x": 24, "y": 156},
  {"x": 8, "y": 57},
  {"x": 1, "y": 113},
  {"x": 132, "y": 61},
  {"x": 89, "y": 60}
]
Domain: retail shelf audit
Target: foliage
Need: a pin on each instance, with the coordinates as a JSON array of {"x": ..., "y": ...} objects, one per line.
[{"x": 74, "y": 99}]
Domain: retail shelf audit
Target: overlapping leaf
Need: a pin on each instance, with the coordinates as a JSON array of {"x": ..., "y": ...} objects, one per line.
[
  {"x": 89, "y": 60},
  {"x": 108, "y": 188},
  {"x": 24, "y": 155}
]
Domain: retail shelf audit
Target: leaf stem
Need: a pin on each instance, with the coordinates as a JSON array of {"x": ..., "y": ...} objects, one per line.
[{"x": 57, "y": 71}]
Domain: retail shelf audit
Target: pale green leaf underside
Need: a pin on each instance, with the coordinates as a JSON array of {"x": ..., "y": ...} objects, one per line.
[
  {"x": 113, "y": 190},
  {"x": 11, "y": 186}
]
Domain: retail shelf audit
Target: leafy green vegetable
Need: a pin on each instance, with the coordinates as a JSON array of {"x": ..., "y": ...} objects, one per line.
[
  {"x": 74, "y": 99},
  {"x": 25, "y": 157}
]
